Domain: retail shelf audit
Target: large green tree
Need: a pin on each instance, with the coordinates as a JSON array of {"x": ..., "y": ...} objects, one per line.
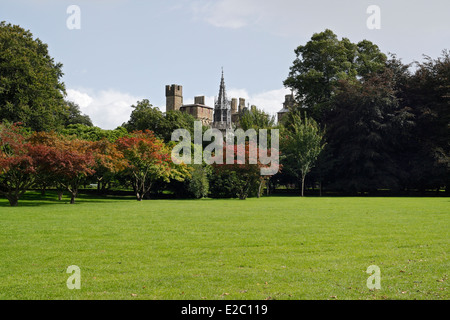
[
  {"x": 325, "y": 60},
  {"x": 31, "y": 91}
]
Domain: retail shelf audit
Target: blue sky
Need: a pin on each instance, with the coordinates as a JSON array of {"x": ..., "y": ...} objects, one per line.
[{"x": 128, "y": 50}]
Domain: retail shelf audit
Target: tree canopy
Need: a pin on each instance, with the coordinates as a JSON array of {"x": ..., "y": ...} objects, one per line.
[
  {"x": 325, "y": 60},
  {"x": 31, "y": 91},
  {"x": 146, "y": 117}
]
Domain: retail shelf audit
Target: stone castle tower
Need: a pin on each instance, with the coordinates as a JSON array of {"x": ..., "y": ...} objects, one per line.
[
  {"x": 174, "y": 97},
  {"x": 225, "y": 114}
]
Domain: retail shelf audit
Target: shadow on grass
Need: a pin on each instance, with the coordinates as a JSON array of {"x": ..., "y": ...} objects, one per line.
[{"x": 36, "y": 199}]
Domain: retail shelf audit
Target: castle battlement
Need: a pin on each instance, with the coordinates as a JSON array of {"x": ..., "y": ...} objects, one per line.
[{"x": 174, "y": 90}]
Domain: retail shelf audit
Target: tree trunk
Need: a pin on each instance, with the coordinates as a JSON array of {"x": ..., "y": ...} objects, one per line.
[
  {"x": 13, "y": 201},
  {"x": 259, "y": 189},
  {"x": 139, "y": 196},
  {"x": 303, "y": 186},
  {"x": 105, "y": 187},
  {"x": 60, "y": 194},
  {"x": 73, "y": 194}
]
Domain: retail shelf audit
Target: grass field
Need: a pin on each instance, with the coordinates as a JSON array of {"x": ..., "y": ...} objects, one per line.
[{"x": 269, "y": 248}]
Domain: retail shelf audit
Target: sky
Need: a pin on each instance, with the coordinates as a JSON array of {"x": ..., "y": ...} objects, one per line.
[{"x": 118, "y": 52}]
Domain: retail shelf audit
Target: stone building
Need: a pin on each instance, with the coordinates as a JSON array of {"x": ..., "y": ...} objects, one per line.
[
  {"x": 225, "y": 114},
  {"x": 199, "y": 110},
  {"x": 289, "y": 102}
]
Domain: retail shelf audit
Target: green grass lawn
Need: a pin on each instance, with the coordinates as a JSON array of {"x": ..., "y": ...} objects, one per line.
[{"x": 269, "y": 248}]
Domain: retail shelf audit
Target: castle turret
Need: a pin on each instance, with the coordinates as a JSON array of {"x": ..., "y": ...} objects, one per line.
[
  {"x": 234, "y": 106},
  {"x": 174, "y": 97},
  {"x": 241, "y": 105}
]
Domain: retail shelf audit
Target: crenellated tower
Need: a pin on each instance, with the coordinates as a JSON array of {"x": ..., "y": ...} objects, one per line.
[{"x": 174, "y": 97}]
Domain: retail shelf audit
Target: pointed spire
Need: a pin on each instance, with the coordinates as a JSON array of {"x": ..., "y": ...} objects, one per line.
[{"x": 222, "y": 91}]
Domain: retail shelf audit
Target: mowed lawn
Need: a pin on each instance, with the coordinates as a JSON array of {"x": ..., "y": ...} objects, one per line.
[{"x": 269, "y": 248}]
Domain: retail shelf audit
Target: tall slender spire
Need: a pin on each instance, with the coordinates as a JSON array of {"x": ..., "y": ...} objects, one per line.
[
  {"x": 222, "y": 92},
  {"x": 222, "y": 108}
]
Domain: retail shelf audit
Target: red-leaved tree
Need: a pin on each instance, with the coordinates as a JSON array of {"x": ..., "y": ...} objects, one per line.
[
  {"x": 245, "y": 174},
  {"x": 108, "y": 161},
  {"x": 148, "y": 160},
  {"x": 64, "y": 161},
  {"x": 17, "y": 166}
]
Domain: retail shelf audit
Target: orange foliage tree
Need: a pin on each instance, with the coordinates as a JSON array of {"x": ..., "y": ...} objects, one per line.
[{"x": 148, "y": 160}]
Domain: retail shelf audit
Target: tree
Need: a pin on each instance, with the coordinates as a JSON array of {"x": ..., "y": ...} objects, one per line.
[
  {"x": 146, "y": 117},
  {"x": 195, "y": 185},
  {"x": 149, "y": 160},
  {"x": 174, "y": 120},
  {"x": 74, "y": 163},
  {"x": 84, "y": 132},
  {"x": 427, "y": 94},
  {"x": 64, "y": 161},
  {"x": 301, "y": 144},
  {"x": 74, "y": 115},
  {"x": 30, "y": 88},
  {"x": 366, "y": 134},
  {"x": 198, "y": 184},
  {"x": 17, "y": 166},
  {"x": 325, "y": 60},
  {"x": 238, "y": 179},
  {"x": 108, "y": 162},
  {"x": 256, "y": 119}
]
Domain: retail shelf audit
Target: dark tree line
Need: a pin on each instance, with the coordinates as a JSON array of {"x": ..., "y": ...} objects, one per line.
[{"x": 387, "y": 123}]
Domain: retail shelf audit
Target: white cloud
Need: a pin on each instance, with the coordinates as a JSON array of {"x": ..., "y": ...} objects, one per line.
[
  {"x": 107, "y": 109},
  {"x": 232, "y": 14},
  {"x": 80, "y": 98},
  {"x": 282, "y": 17},
  {"x": 270, "y": 101}
]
